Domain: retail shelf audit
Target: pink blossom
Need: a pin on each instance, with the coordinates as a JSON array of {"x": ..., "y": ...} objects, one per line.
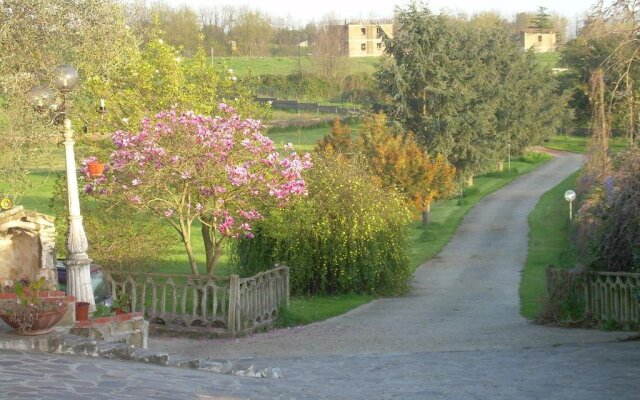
[
  {"x": 135, "y": 199},
  {"x": 221, "y": 167}
]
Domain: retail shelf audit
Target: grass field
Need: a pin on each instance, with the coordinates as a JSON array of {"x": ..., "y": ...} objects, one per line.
[
  {"x": 256, "y": 66},
  {"x": 243, "y": 66},
  {"x": 548, "y": 60},
  {"x": 578, "y": 144}
]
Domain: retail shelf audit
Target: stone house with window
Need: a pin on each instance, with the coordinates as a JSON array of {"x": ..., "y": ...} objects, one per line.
[
  {"x": 364, "y": 39},
  {"x": 538, "y": 40}
]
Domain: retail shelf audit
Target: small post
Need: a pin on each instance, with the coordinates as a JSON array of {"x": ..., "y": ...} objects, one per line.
[
  {"x": 233, "y": 317},
  {"x": 286, "y": 285},
  {"x": 570, "y": 196}
]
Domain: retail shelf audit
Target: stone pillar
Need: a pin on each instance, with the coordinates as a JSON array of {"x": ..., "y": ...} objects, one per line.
[{"x": 78, "y": 262}]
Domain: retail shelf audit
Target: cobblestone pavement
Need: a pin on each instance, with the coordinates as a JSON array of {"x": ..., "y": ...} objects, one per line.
[
  {"x": 459, "y": 335},
  {"x": 596, "y": 371}
]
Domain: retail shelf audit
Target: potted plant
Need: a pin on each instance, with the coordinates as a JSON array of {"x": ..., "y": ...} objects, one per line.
[
  {"x": 30, "y": 314},
  {"x": 95, "y": 169},
  {"x": 102, "y": 311},
  {"x": 122, "y": 303},
  {"x": 92, "y": 167}
]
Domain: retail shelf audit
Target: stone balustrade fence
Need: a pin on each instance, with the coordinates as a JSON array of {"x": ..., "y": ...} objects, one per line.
[
  {"x": 224, "y": 305},
  {"x": 607, "y": 296}
]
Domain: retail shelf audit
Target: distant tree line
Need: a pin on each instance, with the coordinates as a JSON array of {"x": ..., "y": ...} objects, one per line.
[{"x": 229, "y": 30}]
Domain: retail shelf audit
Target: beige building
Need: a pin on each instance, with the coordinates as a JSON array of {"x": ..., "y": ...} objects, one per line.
[
  {"x": 364, "y": 39},
  {"x": 540, "y": 41}
]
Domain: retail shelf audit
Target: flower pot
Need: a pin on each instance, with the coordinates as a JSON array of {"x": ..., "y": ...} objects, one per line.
[
  {"x": 43, "y": 321},
  {"x": 95, "y": 169},
  {"x": 82, "y": 311}
]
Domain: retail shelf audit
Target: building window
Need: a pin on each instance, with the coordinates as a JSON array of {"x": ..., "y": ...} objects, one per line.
[
  {"x": 363, "y": 31},
  {"x": 379, "y": 46},
  {"x": 379, "y": 31},
  {"x": 540, "y": 38},
  {"x": 363, "y": 46}
]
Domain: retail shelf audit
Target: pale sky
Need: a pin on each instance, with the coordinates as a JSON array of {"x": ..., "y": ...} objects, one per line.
[{"x": 303, "y": 11}]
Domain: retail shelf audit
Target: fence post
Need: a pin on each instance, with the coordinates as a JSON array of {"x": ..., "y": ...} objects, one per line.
[
  {"x": 234, "y": 302},
  {"x": 286, "y": 285}
]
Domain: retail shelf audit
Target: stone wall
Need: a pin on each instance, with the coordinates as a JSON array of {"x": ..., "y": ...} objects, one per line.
[{"x": 27, "y": 247}]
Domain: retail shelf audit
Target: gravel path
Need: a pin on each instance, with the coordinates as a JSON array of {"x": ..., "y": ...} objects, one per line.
[{"x": 464, "y": 299}]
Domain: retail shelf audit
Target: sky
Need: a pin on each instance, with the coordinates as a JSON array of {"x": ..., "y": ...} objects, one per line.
[{"x": 300, "y": 12}]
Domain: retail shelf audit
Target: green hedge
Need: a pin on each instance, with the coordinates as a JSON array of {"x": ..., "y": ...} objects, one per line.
[{"x": 347, "y": 236}]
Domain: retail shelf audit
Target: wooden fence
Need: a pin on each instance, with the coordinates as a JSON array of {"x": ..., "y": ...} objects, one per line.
[
  {"x": 606, "y": 295},
  {"x": 228, "y": 305}
]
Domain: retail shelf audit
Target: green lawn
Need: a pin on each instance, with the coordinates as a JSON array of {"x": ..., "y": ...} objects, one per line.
[
  {"x": 302, "y": 139},
  {"x": 578, "y": 144},
  {"x": 548, "y": 245},
  {"x": 548, "y": 60},
  {"x": 257, "y": 66}
]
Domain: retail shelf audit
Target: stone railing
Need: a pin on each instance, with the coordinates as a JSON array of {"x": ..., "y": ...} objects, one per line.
[
  {"x": 259, "y": 298},
  {"x": 228, "y": 305},
  {"x": 611, "y": 296},
  {"x": 607, "y": 296}
]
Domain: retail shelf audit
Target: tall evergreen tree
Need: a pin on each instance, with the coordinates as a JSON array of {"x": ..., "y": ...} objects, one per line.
[
  {"x": 465, "y": 89},
  {"x": 542, "y": 19}
]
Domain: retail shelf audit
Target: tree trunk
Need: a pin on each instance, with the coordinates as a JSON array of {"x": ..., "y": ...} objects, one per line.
[
  {"x": 208, "y": 243},
  {"x": 469, "y": 180},
  {"x": 192, "y": 258},
  {"x": 211, "y": 264},
  {"x": 500, "y": 166},
  {"x": 630, "y": 103},
  {"x": 212, "y": 250},
  {"x": 426, "y": 214}
]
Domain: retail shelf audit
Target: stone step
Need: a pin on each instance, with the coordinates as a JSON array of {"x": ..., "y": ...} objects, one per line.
[
  {"x": 180, "y": 361},
  {"x": 152, "y": 357},
  {"x": 115, "y": 350}
]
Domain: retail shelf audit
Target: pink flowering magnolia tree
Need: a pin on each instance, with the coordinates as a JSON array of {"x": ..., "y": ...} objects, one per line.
[{"x": 219, "y": 170}]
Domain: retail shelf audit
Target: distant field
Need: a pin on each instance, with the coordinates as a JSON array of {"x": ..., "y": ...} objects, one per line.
[
  {"x": 548, "y": 60},
  {"x": 578, "y": 144},
  {"x": 242, "y": 66}
]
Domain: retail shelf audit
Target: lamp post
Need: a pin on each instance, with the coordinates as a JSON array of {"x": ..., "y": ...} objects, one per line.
[
  {"x": 570, "y": 196},
  {"x": 78, "y": 262}
]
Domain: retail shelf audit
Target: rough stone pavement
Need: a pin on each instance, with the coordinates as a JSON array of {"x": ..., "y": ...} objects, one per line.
[
  {"x": 458, "y": 336},
  {"x": 596, "y": 371}
]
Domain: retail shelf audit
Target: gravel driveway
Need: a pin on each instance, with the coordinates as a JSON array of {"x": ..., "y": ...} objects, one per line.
[{"x": 464, "y": 299}]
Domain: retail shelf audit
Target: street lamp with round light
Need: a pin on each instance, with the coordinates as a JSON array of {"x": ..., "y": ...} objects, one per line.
[
  {"x": 78, "y": 262},
  {"x": 570, "y": 196},
  {"x": 65, "y": 78}
]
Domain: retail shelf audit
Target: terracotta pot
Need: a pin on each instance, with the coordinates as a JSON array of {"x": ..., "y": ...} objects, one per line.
[
  {"x": 43, "y": 323},
  {"x": 95, "y": 169},
  {"x": 82, "y": 311}
]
